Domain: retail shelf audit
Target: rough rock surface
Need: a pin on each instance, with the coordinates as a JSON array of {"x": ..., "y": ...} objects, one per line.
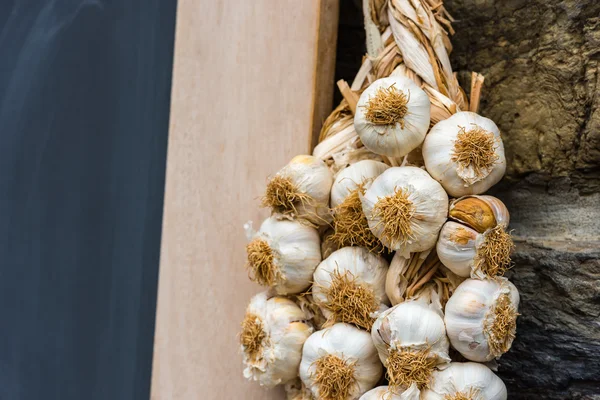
[{"x": 540, "y": 59}]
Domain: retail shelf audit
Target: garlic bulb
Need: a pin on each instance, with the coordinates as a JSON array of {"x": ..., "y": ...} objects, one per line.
[
  {"x": 349, "y": 179},
  {"x": 465, "y": 154},
  {"x": 339, "y": 363},
  {"x": 349, "y": 286},
  {"x": 350, "y": 226},
  {"x": 387, "y": 393},
  {"x": 283, "y": 255},
  {"x": 301, "y": 190},
  {"x": 273, "y": 333},
  {"x": 405, "y": 209},
  {"x": 462, "y": 381},
  {"x": 411, "y": 341},
  {"x": 392, "y": 116},
  {"x": 477, "y": 245},
  {"x": 481, "y": 318}
]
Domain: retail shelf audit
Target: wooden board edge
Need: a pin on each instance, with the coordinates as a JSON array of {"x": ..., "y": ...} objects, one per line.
[{"x": 324, "y": 69}]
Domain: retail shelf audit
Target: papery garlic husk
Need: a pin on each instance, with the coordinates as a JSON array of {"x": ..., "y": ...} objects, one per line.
[
  {"x": 273, "y": 333},
  {"x": 349, "y": 222},
  {"x": 283, "y": 255},
  {"x": 340, "y": 363},
  {"x": 296, "y": 390},
  {"x": 465, "y": 154},
  {"x": 301, "y": 190},
  {"x": 478, "y": 244},
  {"x": 462, "y": 381},
  {"x": 311, "y": 309},
  {"x": 481, "y": 318},
  {"x": 349, "y": 286},
  {"x": 348, "y": 179},
  {"x": 387, "y": 393},
  {"x": 406, "y": 209},
  {"x": 410, "y": 277},
  {"x": 392, "y": 116},
  {"x": 411, "y": 341}
]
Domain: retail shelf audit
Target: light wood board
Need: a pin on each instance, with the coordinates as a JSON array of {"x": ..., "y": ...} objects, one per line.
[{"x": 244, "y": 101}]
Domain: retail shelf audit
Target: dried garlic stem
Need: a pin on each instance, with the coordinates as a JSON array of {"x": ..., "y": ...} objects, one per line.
[
  {"x": 394, "y": 213},
  {"x": 387, "y": 107},
  {"x": 502, "y": 326},
  {"x": 407, "y": 366}
]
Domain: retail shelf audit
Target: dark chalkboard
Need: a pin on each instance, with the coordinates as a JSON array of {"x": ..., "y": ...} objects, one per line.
[{"x": 84, "y": 113}]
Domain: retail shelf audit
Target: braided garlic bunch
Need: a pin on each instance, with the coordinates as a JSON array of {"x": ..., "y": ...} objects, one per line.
[{"x": 399, "y": 176}]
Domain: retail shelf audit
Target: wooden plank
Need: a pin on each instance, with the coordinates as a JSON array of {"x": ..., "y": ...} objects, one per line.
[{"x": 243, "y": 102}]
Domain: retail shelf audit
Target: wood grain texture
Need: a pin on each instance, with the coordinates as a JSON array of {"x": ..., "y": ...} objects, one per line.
[{"x": 243, "y": 103}]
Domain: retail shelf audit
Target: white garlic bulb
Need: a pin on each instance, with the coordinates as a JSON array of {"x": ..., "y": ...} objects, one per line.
[
  {"x": 405, "y": 209},
  {"x": 477, "y": 244},
  {"x": 273, "y": 333},
  {"x": 348, "y": 179},
  {"x": 284, "y": 254},
  {"x": 392, "y": 116},
  {"x": 481, "y": 318},
  {"x": 301, "y": 189},
  {"x": 387, "y": 393},
  {"x": 340, "y": 363},
  {"x": 351, "y": 273},
  {"x": 296, "y": 390},
  {"x": 411, "y": 341},
  {"x": 465, "y": 154},
  {"x": 465, "y": 381}
]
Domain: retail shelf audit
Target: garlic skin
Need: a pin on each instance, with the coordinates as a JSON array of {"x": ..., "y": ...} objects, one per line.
[
  {"x": 295, "y": 252},
  {"x": 386, "y": 393},
  {"x": 428, "y": 207},
  {"x": 414, "y": 327},
  {"x": 365, "y": 269},
  {"x": 301, "y": 189},
  {"x": 349, "y": 344},
  {"x": 481, "y": 318},
  {"x": 283, "y": 333},
  {"x": 460, "y": 245},
  {"x": 461, "y": 178},
  {"x": 399, "y": 132},
  {"x": 470, "y": 379},
  {"x": 350, "y": 177}
]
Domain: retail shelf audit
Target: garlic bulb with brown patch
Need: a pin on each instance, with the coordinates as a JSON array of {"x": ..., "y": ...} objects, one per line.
[
  {"x": 283, "y": 255},
  {"x": 296, "y": 390},
  {"x": 465, "y": 381},
  {"x": 476, "y": 242},
  {"x": 465, "y": 154},
  {"x": 339, "y": 363},
  {"x": 350, "y": 225},
  {"x": 387, "y": 393},
  {"x": 411, "y": 341},
  {"x": 273, "y": 333},
  {"x": 349, "y": 286},
  {"x": 301, "y": 190},
  {"x": 406, "y": 209},
  {"x": 392, "y": 116},
  {"x": 481, "y": 318}
]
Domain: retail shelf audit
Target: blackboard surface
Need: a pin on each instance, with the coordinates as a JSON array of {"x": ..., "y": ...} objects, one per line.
[{"x": 84, "y": 114}]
